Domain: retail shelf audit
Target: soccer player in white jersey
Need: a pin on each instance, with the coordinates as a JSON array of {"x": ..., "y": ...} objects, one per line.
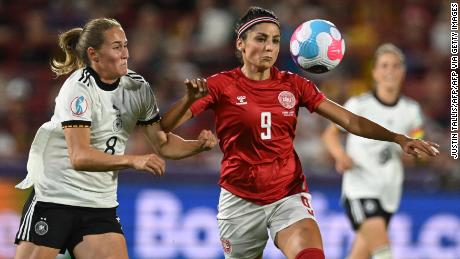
[
  {"x": 373, "y": 170},
  {"x": 75, "y": 157}
]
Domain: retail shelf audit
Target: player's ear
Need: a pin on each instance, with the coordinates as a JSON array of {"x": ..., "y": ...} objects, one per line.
[
  {"x": 92, "y": 55},
  {"x": 374, "y": 73},
  {"x": 240, "y": 45}
]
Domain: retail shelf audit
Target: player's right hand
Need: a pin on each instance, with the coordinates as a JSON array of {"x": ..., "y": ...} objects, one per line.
[
  {"x": 150, "y": 163},
  {"x": 207, "y": 140},
  {"x": 417, "y": 147},
  {"x": 343, "y": 163},
  {"x": 196, "y": 88}
]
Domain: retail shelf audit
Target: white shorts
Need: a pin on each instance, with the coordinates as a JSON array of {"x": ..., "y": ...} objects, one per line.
[{"x": 243, "y": 225}]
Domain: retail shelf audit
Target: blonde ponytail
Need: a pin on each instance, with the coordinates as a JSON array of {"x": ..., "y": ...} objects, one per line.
[{"x": 68, "y": 43}]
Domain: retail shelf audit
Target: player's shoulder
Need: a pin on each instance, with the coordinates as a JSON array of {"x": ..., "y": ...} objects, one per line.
[
  {"x": 362, "y": 98},
  {"x": 78, "y": 78},
  {"x": 133, "y": 80},
  {"x": 409, "y": 101},
  {"x": 224, "y": 75},
  {"x": 222, "y": 79},
  {"x": 288, "y": 76}
]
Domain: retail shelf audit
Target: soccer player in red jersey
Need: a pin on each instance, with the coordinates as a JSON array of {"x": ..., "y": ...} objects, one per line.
[{"x": 262, "y": 182}]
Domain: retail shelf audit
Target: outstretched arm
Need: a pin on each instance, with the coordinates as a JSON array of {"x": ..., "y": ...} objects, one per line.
[
  {"x": 332, "y": 142},
  {"x": 171, "y": 146},
  {"x": 180, "y": 113},
  {"x": 84, "y": 157},
  {"x": 365, "y": 128}
]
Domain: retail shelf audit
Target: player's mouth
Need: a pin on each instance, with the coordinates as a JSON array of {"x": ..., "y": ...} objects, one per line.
[{"x": 389, "y": 78}]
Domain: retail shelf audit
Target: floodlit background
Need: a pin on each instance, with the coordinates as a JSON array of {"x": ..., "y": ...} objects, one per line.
[{"x": 170, "y": 40}]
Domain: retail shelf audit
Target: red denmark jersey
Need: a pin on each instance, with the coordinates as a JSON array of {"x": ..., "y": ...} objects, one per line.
[{"x": 255, "y": 124}]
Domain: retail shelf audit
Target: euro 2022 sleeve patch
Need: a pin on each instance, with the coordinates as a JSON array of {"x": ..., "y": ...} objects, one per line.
[{"x": 78, "y": 106}]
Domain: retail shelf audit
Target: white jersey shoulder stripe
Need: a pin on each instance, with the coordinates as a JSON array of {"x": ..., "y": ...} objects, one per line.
[
  {"x": 84, "y": 78},
  {"x": 135, "y": 76}
]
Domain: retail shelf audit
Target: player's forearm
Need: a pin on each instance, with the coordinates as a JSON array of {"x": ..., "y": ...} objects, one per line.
[
  {"x": 368, "y": 129},
  {"x": 356, "y": 124},
  {"x": 178, "y": 148},
  {"x": 97, "y": 161},
  {"x": 177, "y": 115},
  {"x": 331, "y": 140}
]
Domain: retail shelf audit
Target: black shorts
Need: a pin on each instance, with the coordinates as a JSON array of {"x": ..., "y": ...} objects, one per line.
[
  {"x": 359, "y": 210},
  {"x": 63, "y": 226}
]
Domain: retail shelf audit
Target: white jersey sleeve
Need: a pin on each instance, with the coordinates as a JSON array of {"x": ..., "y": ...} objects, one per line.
[
  {"x": 151, "y": 112},
  {"x": 74, "y": 104}
]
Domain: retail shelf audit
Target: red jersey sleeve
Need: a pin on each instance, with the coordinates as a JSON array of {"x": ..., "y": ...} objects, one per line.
[
  {"x": 210, "y": 100},
  {"x": 310, "y": 95}
]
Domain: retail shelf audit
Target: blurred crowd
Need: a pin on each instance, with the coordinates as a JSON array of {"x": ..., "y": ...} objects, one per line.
[{"x": 171, "y": 40}]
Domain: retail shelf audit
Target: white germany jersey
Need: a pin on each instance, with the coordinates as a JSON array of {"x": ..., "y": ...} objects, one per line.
[
  {"x": 111, "y": 112},
  {"x": 378, "y": 169}
]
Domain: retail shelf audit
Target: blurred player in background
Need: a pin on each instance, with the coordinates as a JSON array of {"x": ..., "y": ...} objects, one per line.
[
  {"x": 256, "y": 107},
  {"x": 373, "y": 170},
  {"x": 75, "y": 158}
]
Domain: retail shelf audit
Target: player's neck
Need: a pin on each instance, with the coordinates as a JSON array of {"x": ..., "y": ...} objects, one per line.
[
  {"x": 104, "y": 76},
  {"x": 254, "y": 74}
]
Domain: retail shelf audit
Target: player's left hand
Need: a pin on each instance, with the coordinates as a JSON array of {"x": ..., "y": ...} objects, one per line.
[
  {"x": 418, "y": 147},
  {"x": 196, "y": 88},
  {"x": 206, "y": 140}
]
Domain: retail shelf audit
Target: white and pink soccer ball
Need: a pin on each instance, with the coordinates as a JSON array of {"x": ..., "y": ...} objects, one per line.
[{"x": 317, "y": 46}]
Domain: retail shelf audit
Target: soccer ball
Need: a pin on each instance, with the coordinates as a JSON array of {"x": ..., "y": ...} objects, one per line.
[{"x": 317, "y": 46}]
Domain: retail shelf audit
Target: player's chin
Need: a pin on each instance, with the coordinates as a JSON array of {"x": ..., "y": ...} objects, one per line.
[
  {"x": 266, "y": 64},
  {"x": 123, "y": 70},
  {"x": 392, "y": 85}
]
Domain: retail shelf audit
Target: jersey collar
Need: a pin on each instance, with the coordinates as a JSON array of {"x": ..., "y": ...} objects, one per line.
[
  {"x": 374, "y": 93},
  {"x": 100, "y": 84},
  {"x": 273, "y": 72}
]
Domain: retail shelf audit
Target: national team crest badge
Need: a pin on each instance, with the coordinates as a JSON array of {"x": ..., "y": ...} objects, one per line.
[
  {"x": 226, "y": 245},
  {"x": 287, "y": 99},
  {"x": 78, "y": 106},
  {"x": 41, "y": 228},
  {"x": 370, "y": 206},
  {"x": 117, "y": 123}
]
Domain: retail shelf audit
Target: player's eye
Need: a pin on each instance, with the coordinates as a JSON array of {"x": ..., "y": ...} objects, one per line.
[
  {"x": 276, "y": 40},
  {"x": 260, "y": 39}
]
